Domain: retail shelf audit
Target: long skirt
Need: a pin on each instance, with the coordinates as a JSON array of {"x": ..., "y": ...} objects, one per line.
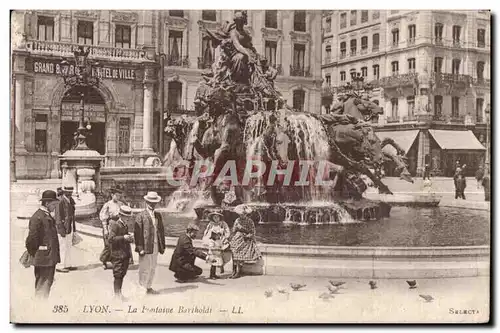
[
  {"x": 147, "y": 267},
  {"x": 245, "y": 250}
]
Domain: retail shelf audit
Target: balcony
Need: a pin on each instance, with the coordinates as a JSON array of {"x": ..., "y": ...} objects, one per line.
[
  {"x": 411, "y": 41},
  {"x": 342, "y": 55},
  {"x": 300, "y": 71},
  {"x": 438, "y": 41},
  {"x": 410, "y": 119},
  {"x": 481, "y": 44},
  {"x": 204, "y": 64},
  {"x": 364, "y": 51},
  {"x": 394, "y": 45},
  {"x": 480, "y": 120},
  {"x": 461, "y": 80},
  {"x": 392, "y": 120},
  {"x": 457, "y": 43},
  {"x": 353, "y": 53},
  {"x": 375, "y": 48},
  {"x": 96, "y": 51},
  {"x": 398, "y": 80},
  {"x": 177, "y": 61},
  {"x": 481, "y": 82}
]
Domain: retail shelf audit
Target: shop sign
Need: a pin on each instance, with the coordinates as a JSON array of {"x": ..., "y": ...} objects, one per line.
[{"x": 106, "y": 72}]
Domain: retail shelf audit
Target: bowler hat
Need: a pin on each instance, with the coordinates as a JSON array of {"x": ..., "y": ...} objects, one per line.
[
  {"x": 125, "y": 210},
  {"x": 192, "y": 227},
  {"x": 152, "y": 197},
  {"x": 49, "y": 195}
]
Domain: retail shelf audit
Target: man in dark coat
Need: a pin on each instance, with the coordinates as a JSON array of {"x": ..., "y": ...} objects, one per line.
[
  {"x": 149, "y": 235},
  {"x": 182, "y": 262},
  {"x": 42, "y": 243},
  {"x": 119, "y": 243},
  {"x": 65, "y": 223},
  {"x": 486, "y": 184}
]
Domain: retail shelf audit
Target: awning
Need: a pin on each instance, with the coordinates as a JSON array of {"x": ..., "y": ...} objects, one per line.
[
  {"x": 456, "y": 140},
  {"x": 404, "y": 139}
]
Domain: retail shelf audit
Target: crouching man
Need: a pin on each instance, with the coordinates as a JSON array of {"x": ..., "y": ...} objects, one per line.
[
  {"x": 182, "y": 262},
  {"x": 121, "y": 252}
]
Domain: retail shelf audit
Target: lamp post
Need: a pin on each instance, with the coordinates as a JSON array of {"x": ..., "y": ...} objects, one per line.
[
  {"x": 79, "y": 76},
  {"x": 487, "y": 158}
]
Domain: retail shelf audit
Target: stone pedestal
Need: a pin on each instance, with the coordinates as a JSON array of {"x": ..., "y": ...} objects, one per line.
[{"x": 80, "y": 170}]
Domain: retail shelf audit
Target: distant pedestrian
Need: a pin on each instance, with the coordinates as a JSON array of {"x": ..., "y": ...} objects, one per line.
[
  {"x": 486, "y": 184},
  {"x": 149, "y": 235},
  {"x": 119, "y": 243},
  {"x": 479, "y": 176},
  {"x": 42, "y": 243},
  {"x": 427, "y": 167},
  {"x": 460, "y": 185},
  {"x": 110, "y": 208}
]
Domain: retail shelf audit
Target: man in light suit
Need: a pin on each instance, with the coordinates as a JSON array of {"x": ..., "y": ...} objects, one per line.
[
  {"x": 149, "y": 235},
  {"x": 42, "y": 243}
]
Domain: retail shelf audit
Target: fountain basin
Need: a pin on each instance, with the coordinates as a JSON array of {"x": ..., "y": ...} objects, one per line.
[{"x": 410, "y": 200}]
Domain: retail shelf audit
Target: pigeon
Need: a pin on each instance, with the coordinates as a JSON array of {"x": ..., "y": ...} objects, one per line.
[
  {"x": 336, "y": 283},
  {"x": 268, "y": 293},
  {"x": 333, "y": 290},
  {"x": 412, "y": 284},
  {"x": 326, "y": 296},
  {"x": 297, "y": 286},
  {"x": 373, "y": 284},
  {"x": 282, "y": 290},
  {"x": 428, "y": 298}
]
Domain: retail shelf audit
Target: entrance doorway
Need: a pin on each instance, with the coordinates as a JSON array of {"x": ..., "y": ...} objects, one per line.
[{"x": 94, "y": 115}]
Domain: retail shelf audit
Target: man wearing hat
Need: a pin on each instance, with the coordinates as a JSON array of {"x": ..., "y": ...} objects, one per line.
[
  {"x": 182, "y": 262},
  {"x": 42, "y": 243},
  {"x": 110, "y": 208},
  {"x": 65, "y": 223},
  {"x": 119, "y": 243},
  {"x": 149, "y": 237}
]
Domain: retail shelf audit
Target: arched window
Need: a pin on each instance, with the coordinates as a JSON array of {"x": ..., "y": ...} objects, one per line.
[{"x": 299, "y": 97}]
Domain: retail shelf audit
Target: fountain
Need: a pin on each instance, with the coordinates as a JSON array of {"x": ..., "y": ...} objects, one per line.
[{"x": 290, "y": 166}]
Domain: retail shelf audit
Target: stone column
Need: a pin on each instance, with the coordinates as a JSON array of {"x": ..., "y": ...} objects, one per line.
[
  {"x": 19, "y": 109},
  {"x": 147, "y": 129}
]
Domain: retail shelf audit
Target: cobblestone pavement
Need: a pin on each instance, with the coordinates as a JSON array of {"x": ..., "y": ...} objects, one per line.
[{"x": 90, "y": 286}]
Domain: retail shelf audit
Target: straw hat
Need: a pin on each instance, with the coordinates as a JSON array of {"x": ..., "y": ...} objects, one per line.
[
  {"x": 152, "y": 197},
  {"x": 212, "y": 214},
  {"x": 243, "y": 209},
  {"x": 125, "y": 211}
]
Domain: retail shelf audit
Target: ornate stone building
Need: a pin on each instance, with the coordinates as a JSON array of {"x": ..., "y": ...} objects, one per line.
[
  {"x": 430, "y": 70},
  {"x": 126, "y": 109}
]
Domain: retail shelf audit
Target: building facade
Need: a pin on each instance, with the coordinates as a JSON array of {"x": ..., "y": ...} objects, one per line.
[
  {"x": 430, "y": 70},
  {"x": 127, "y": 108}
]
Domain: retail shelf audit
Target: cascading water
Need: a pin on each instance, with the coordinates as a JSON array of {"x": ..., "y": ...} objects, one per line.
[{"x": 187, "y": 197}]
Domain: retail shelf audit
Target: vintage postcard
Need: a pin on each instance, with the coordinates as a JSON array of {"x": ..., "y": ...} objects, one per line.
[{"x": 250, "y": 166}]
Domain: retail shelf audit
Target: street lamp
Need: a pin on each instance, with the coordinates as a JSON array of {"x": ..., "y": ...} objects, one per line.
[
  {"x": 487, "y": 111},
  {"x": 79, "y": 77}
]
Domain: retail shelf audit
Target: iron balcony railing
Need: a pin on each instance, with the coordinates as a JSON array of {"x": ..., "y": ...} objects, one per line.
[
  {"x": 66, "y": 49},
  {"x": 300, "y": 71}
]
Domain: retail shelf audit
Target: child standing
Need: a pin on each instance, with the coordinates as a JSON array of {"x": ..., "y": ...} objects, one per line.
[{"x": 220, "y": 227}]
